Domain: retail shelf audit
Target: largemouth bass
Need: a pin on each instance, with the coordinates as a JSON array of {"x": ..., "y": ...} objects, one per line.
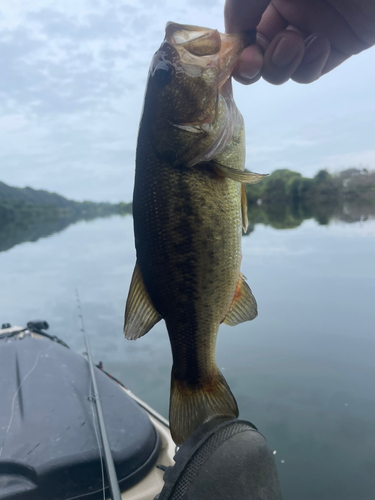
[{"x": 189, "y": 206}]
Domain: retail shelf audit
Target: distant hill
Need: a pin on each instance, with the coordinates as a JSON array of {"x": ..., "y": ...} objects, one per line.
[
  {"x": 33, "y": 196},
  {"x": 28, "y": 214},
  {"x": 23, "y": 206}
]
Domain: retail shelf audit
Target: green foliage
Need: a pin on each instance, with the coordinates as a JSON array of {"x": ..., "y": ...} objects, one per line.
[
  {"x": 286, "y": 186},
  {"x": 322, "y": 176},
  {"x": 27, "y": 214},
  {"x": 285, "y": 198},
  {"x": 278, "y": 187},
  {"x": 24, "y": 206},
  {"x": 125, "y": 208},
  {"x": 282, "y": 200}
]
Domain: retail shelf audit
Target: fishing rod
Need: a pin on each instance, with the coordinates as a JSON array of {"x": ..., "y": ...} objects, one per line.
[{"x": 108, "y": 459}]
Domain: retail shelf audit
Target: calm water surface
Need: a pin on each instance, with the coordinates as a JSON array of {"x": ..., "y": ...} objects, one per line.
[{"x": 303, "y": 372}]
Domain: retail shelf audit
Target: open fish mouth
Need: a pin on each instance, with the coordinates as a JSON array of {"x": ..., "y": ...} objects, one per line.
[{"x": 205, "y": 48}]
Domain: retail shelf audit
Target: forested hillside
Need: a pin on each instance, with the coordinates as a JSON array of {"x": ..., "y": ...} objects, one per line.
[{"x": 26, "y": 205}]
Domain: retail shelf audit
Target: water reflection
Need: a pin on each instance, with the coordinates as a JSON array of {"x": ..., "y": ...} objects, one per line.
[
  {"x": 278, "y": 216},
  {"x": 15, "y": 232},
  {"x": 302, "y": 371},
  {"x": 288, "y": 216}
]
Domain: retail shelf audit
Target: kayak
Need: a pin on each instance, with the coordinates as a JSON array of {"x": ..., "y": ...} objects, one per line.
[{"x": 50, "y": 444}]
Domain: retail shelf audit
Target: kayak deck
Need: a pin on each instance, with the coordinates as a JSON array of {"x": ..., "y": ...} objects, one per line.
[{"x": 50, "y": 445}]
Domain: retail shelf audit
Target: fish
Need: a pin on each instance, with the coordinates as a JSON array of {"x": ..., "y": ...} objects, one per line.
[{"x": 189, "y": 208}]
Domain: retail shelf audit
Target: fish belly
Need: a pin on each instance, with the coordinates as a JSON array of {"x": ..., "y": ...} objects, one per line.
[{"x": 187, "y": 223}]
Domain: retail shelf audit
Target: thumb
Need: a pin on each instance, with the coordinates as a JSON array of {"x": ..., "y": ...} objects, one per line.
[{"x": 243, "y": 15}]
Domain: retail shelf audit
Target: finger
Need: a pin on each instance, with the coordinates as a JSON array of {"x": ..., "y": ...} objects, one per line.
[
  {"x": 283, "y": 57},
  {"x": 319, "y": 16},
  {"x": 336, "y": 57},
  {"x": 271, "y": 24},
  {"x": 248, "y": 69},
  {"x": 241, "y": 15},
  {"x": 317, "y": 50},
  {"x": 360, "y": 16},
  {"x": 299, "y": 32}
]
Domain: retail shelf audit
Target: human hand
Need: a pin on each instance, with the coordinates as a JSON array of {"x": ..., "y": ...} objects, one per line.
[{"x": 299, "y": 39}]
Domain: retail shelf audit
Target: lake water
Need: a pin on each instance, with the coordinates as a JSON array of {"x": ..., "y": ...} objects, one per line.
[{"x": 303, "y": 372}]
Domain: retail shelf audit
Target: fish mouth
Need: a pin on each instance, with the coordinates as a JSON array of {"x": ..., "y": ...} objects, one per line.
[{"x": 203, "y": 48}]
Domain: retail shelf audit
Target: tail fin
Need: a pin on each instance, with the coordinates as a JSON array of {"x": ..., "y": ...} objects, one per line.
[{"x": 192, "y": 406}]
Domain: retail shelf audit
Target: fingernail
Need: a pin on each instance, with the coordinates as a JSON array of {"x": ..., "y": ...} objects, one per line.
[
  {"x": 284, "y": 53},
  {"x": 247, "y": 81},
  {"x": 315, "y": 47},
  {"x": 246, "y": 73},
  {"x": 249, "y": 74}
]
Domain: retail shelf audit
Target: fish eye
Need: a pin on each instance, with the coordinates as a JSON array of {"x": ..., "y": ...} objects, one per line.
[{"x": 163, "y": 73}]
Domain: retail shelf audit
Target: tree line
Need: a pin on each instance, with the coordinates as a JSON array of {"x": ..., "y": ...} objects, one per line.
[
  {"x": 25, "y": 206},
  {"x": 286, "y": 198}
]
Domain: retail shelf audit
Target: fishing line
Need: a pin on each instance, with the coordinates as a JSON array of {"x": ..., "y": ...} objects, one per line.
[
  {"x": 84, "y": 494},
  {"x": 110, "y": 467},
  {"x": 15, "y": 396}
]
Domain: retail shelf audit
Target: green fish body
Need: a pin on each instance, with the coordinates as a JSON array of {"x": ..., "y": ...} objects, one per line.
[{"x": 189, "y": 208}]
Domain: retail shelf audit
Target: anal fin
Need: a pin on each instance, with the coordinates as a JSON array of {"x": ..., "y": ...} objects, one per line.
[
  {"x": 140, "y": 313},
  {"x": 244, "y": 306}
]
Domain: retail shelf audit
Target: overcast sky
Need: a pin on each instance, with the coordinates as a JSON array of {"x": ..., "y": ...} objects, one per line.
[{"x": 72, "y": 83}]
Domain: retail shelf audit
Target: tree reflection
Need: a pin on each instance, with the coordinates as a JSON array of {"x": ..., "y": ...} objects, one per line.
[
  {"x": 16, "y": 232},
  {"x": 285, "y": 199}
]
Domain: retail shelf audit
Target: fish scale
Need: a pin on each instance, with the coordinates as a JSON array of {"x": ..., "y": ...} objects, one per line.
[{"x": 182, "y": 274}]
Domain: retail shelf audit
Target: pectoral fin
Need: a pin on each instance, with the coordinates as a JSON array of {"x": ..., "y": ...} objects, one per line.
[
  {"x": 245, "y": 221},
  {"x": 244, "y": 306},
  {"x": 140, "y": 313},
  {"x": 238, "y": 175}
]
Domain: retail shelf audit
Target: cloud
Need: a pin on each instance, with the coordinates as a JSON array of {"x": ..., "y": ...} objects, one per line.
[
  {"x": 360, "y": 159},
  {"x": 74, "y": 74}
]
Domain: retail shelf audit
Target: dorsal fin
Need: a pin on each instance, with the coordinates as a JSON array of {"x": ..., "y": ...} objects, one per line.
[
  {"x": 244, "y": 306},
  {"x": 140, "y": 313}
]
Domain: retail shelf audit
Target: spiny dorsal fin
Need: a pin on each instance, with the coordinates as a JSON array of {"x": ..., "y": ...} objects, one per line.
[
  {"x": 140, "y": 313},
  {"x": 244, "y": 306},
  {"x": 245, "y": 221},
  {"x": 238, "y": 175}
]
